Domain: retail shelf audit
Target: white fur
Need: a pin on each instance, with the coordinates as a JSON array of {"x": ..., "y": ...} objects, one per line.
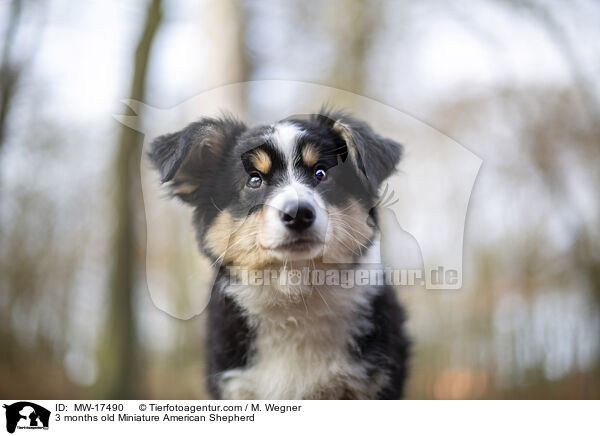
[
  {"x": 303, "y": 338},
  {"x": 285, "y": 137},
  {"x": 274, "y": 232}
]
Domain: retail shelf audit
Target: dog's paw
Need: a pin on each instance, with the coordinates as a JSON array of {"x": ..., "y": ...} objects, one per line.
[{"x": 235, "y": 385}]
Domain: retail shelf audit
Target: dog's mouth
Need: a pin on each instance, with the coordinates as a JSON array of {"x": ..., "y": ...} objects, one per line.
[{"x": 297, "y": 245}]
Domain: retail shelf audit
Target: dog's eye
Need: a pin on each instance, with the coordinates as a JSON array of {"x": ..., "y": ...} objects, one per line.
[
  {"x": 254, "y": 181},
  {"x": 320, "y": 173}
]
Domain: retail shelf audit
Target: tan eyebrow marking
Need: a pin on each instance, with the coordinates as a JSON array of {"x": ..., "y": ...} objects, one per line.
[
  {"x": 261, "y": 161},
  {"x": 310, "y": 155}
]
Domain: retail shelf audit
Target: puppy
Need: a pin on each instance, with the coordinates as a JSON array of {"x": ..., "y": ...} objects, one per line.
[{"x": 275, "y": 202}]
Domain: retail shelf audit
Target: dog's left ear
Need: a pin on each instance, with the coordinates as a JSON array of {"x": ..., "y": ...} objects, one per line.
[{"x": 374, "y": 157}]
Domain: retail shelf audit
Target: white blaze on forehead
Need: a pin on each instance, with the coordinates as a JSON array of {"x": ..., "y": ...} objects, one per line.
[{"x": 285, "y": 137}]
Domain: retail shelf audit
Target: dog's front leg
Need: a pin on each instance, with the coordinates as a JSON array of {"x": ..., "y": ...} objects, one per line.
[{"x": 236, "y": 385}]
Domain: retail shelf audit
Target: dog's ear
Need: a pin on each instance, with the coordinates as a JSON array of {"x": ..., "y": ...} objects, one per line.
[
  {"x": 189, "y": 158},
  {"x": 374, "y": 157}
]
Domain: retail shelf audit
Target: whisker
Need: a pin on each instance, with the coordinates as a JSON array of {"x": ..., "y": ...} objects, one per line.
[
  {"x": 229, "y": 247},
  {"x": 304, "y": 302},
  {"x": 213, "y": 202},
  {"x": 354, "y": 239},
  {"x": 324, "y": 301},
  {"x": 342, "y": 242},
  {"x": 346, "y": 228}
]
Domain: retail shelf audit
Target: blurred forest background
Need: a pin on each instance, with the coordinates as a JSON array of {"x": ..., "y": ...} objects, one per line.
[{"x": 513, "y": 81}]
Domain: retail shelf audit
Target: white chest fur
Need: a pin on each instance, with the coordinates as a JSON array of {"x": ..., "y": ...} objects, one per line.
[{"x": 303, "y": 343}]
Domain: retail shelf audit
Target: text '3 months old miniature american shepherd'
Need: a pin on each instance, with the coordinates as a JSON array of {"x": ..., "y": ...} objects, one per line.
[{"x": 297, "y": 195}]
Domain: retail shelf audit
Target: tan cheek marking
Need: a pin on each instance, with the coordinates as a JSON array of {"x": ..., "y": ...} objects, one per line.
[
  {"x": 217, "y": 236},
  {"x": 235, "y": 242},
  {"x": 350, "y": 231},
  {"x": 261, "y": 161},
  {"x": 310, "y": 155}
]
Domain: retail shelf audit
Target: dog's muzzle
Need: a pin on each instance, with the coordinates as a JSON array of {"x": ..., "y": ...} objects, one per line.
[{"x": 297, "y": 216}]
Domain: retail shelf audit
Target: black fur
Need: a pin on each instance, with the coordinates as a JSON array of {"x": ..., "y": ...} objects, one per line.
[
  {"x": 229, "y": 337},
  {"x": 386, "y": 346},
  {"x": 376, "y": 157}
]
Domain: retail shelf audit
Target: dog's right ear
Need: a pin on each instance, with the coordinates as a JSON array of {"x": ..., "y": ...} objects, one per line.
[{"x": 187, "y": 159}]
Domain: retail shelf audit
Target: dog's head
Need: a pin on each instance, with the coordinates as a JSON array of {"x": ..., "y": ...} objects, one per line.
[{"x": 301, "y": 189}]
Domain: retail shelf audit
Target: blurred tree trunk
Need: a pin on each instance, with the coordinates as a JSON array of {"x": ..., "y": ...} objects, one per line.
[
  {"x": 354, "y": 24},
  {"x": 121, "y": 350},
  {"x": 352, "y": 32},
  {"x": 7, "y": 87},
  {"x": 224, "y": 22},
  {"x": 8, "y": 71}
]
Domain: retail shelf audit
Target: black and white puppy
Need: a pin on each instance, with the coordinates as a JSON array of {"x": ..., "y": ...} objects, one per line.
[{"x": 298, "y": 194}]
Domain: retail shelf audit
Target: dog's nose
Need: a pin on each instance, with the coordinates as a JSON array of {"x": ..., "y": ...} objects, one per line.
[{"x": 297, "y": 216}]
